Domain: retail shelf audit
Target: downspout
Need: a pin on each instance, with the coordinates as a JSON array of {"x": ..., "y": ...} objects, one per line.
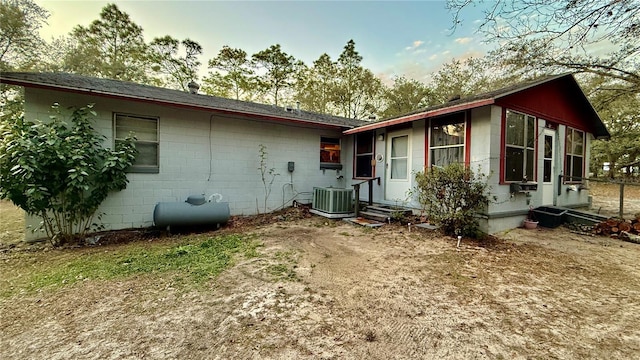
[{"x": 210, "y": 147}]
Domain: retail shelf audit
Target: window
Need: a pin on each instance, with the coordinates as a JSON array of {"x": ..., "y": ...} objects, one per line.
[
  {"x": 548, "y": 158},
  {"x": 519, "y": 146},
  {"x": 145, "y": 130},
  {"x": 446, "y": 142},
  {"x": 330, "y": 153},
  {"x": 575, "y": 154},
  {"x": 364, "y": 155},
  {"x": 399, "y": 157}
]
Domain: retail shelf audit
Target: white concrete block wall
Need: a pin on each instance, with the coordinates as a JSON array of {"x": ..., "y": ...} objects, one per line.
[{"x": 204, "y": 153}]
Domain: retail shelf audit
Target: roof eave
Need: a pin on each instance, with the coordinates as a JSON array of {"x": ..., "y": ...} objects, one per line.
[
  {"x": 78, "y": 90},
  {"x": 421, "y": 115}
]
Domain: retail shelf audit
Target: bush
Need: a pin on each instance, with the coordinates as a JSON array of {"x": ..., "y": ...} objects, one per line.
[
  {"x": 59, "y": 171},
  {"x": 452, "y": 196}
]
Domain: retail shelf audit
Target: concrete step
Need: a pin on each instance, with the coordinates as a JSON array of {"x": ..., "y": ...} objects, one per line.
[
  {"x": 390, "y": 211},
  {"x": 382, "y": 217}
]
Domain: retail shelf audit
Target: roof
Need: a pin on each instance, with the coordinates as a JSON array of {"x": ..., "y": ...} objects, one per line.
[
  {"x": 144, "y": 93},
  {"x": 489, "y": 98}
]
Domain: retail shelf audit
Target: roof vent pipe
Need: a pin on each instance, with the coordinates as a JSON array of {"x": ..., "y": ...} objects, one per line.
[{"x": 193, "y": 87}]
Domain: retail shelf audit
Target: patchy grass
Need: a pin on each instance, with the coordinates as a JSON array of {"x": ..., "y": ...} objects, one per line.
[
  {"x": 285, "y": 266},
  {"x": 194, "y": 261},
  {"x": 11, "y": 223}
]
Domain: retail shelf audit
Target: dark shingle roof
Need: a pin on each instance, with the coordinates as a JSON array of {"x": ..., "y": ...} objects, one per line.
[{"x": 137, "y": 92}]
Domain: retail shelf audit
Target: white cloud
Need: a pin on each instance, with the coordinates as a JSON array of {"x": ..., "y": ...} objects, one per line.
[
  {"x": 433, "y": 57},
  {"x": 464, "y": 40},
  {"x": 414, "y": 46}
]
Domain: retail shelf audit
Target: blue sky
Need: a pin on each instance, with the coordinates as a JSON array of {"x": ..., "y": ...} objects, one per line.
[{"x": 411, "y": 38}]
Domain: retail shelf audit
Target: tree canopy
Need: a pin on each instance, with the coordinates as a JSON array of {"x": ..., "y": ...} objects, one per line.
[
  {"x": 171, "y": 69},
  {"x": 277, "y": 68},
  {"x": 20, "y": 42},
  {"x": 588, "y": 36},
  {"x": 233, "y": 76},
  {"x": 112, "y": 47}
]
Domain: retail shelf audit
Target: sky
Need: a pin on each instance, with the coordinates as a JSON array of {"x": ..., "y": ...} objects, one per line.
[{"x": 395, "y": 38}]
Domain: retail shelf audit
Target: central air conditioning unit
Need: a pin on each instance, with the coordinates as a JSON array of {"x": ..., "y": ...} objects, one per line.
[{"x": 332, "y": 200}]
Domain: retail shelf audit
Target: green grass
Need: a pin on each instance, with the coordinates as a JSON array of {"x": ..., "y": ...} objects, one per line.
[
  {"x": 11, "y": 223},
  {"x": 195, "y": 260},
  {"x": 285, "y": 267}
]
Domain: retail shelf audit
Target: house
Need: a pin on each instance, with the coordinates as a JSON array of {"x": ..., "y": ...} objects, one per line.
[{"x": 530, "y": 137}]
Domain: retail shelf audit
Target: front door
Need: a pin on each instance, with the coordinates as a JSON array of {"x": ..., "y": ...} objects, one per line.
[
  {"x": 549, "y": 176},
  {"x": 398, "y": 166}
]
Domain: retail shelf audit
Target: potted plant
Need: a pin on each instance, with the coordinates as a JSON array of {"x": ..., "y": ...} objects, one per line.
[{"x": 531, "y": 222}]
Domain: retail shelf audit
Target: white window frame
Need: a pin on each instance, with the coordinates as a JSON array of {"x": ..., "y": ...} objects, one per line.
[
  {"x": 137, "y": 168},
  {"x": 524, "y": 147},
  {"x": 570, "y": 155},
  {"x": 443, "y": 122}
]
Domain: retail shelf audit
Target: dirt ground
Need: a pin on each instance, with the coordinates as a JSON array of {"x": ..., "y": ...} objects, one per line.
[
  {"x": 606, "y": 199},
  {"x": 355, "y": 293}
]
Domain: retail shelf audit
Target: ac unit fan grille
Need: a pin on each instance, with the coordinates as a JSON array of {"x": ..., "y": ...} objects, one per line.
[{"x": 332, "y": 200}]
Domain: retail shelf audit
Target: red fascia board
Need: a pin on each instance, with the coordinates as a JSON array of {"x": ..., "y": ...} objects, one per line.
[
  {"x": 167, "y": 103},
  {"x": 420, "y": 116}
]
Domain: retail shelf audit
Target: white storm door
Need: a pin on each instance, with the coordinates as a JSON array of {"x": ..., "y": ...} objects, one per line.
[
  {"x": 549, "y": 175},
  {"x": 398, "y": 166}
]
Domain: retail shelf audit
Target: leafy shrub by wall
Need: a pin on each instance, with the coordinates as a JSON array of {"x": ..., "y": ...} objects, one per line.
[
  {"x": 59, "y": 171},
  {"x": 452, "y": 196}
]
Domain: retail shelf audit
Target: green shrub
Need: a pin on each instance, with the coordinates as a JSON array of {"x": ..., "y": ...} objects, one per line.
[
  {"x": 59, "y": 170},
  {"x": 452, "y": 196}
]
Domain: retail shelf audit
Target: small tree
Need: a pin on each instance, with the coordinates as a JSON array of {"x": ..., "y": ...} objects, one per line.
[
  {"x": 268, "y": 176},
  {"x": 59, "y": 171},
  {"x": 452, "y": 196}
]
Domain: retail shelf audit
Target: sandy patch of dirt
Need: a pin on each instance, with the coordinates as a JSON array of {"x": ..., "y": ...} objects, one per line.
[
  {"x": 356, "y": 293},
  {"x": 606, "y": 199}
]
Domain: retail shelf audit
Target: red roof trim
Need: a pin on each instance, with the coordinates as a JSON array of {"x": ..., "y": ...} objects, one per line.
[
  {"x": 166, "y": 103},
  {"x": 421, "y": 115}
]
